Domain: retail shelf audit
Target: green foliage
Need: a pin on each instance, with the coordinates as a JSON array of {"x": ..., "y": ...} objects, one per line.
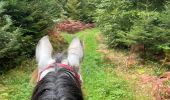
[
  {"x": 127, "y": 22},
  {"x": 22, "y": 23},
  {"x": 87, "y": 9},
  {"x": 115, "y": 18},
  {"x": 151, "y": 32},
  {"x": 15, "y": 84},
  {"x": 82, "y": 10},
  {"x": 165, "y": 26},
  {"x": 156, "y": 5}
]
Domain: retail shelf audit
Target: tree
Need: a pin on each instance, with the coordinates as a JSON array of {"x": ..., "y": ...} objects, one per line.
[{"x": 22, "y": 24}]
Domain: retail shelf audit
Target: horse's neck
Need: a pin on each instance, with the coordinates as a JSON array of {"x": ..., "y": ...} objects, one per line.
[{"x": 54, "y": 82}]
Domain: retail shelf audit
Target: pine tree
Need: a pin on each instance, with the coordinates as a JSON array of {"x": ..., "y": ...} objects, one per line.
[{"x": 22, "y": 24}]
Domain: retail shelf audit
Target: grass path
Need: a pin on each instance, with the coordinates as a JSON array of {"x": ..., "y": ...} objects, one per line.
[{"x": 100, "y": 82}]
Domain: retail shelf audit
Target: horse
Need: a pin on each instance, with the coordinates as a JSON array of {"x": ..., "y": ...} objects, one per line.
[{"x": 58, "y": 77}]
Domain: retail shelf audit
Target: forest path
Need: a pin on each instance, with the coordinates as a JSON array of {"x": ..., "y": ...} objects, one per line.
[
  {"x": 103, "y": 73},
  {"x": 105, "y": 76}
]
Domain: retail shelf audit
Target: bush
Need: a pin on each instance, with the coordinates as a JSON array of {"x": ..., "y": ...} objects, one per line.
[
  {"x": 115, "y": 19},
  {"x": 82, "y": 10},
  {"x": 23, "y": 23},
  {"x": 126, "y": 23}
]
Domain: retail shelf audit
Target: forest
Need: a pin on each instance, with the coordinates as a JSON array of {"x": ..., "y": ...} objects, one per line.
[{"x": 124, "y": 39}]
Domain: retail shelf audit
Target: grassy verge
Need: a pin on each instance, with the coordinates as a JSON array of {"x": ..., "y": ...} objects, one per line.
[
  {"x": 14, "y": 85},
  {"x": 138, "y": 75}
]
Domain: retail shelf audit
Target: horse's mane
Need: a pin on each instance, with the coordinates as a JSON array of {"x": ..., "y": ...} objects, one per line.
[{"x": 58, "y": 85}]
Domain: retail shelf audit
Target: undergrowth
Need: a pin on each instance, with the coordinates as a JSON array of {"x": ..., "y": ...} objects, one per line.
[{"x": 14, "y": 85}]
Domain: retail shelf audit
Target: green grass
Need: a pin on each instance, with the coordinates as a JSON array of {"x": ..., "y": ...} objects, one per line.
[
  {"x": 99, "y": 80},
  {"x": 99, "y": 83},
  {"x": 14, "y": 85}
]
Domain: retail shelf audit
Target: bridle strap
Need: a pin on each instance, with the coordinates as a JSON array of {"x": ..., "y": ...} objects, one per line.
[
  {"x": 39, "y": 75},
  {"x": 69, "y": 68}
]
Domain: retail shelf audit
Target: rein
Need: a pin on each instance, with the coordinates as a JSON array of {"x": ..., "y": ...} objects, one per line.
[{"x": 69, "y": 68}]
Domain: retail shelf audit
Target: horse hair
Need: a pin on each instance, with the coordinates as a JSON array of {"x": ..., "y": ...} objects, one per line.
[{"x": 58, "y": 85}]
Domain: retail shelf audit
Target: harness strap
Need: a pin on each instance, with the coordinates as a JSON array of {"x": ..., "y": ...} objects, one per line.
[
  {"x": 39, "y": 75},
  {"x": 69, "y": 68},
  {"x": 77, "y": 75}
]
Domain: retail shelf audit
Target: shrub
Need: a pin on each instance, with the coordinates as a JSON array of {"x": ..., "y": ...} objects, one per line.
[
  {"x": 115, "y": 18},
  {"x": 126, "y": 23},
  {"x": 23, "y": 23},
  {"x": 148, "y": 32},
  {"x": 82, "y": 10}
]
